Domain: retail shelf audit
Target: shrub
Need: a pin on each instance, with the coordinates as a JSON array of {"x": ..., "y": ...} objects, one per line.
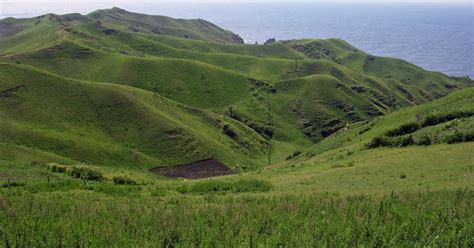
[
  {"x": 425, "y": 140},
  {"x": 211, "y": 186},
  {"x": 469, "y": 137},
  {"x": 229, "y": 132},
  {"x": 436, "y": 119},
  {"x": 9, "y": 184},
  {"x": 270, "y": 41},
  {"x": 240, "y": 186},
  {"x": 182, "y": 189},
  {"x": 251, "y": 185},
  {"x": 294, "y": 154},
  {"x": 406, "y": 141},
  {"x": 111, "y": 189},
  {"x": 37, "y": 163},
  {"x": 366, "y": 129},
  {"x": 263, "y": 129},
  {"x": 456, "y": 137},
  {"x": 57, "y": 168},
  {"x": 404, "y": 129},
  {"x": 124, "y": 180},
  {"x": 85, "y": 173},
  {"x": 158, "y": 192},
  {"x": 379, "y": 141}
]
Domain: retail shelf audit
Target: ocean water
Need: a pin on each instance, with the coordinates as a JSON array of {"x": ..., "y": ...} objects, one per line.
[{"x": 438, "y": 37}]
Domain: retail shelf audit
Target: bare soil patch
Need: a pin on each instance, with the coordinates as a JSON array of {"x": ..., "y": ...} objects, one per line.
[{"x": 196, "y": 170}]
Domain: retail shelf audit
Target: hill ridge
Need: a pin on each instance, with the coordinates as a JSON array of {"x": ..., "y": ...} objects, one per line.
[{"x": 293, "y": 93}]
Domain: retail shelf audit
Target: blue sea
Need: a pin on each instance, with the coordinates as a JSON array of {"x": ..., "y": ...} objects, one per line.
[{"x": 438, "y": 37}]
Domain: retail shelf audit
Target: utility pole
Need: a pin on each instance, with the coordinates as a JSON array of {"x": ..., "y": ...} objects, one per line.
[{"x": 270, "y": 122}]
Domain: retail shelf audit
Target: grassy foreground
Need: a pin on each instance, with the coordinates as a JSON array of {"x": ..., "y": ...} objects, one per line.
[{"x": 82, "y": 219}]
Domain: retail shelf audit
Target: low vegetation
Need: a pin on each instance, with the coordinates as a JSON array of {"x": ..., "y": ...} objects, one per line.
[
  {"x": 290, "y": 221},
  {"x": 403, "y": 135},
  {"x": 283, "y": 127},
  {"x": 123, "y": 180},
  {"x": 218, "y": 186},
  {"x": 84, "y": 172}
]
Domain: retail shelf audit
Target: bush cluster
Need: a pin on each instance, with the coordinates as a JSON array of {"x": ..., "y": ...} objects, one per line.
[
  {"x": 85, "y": 173},
  {"x": 228, "y": 131},
  {"x": 294, "y": 154},
  {"x": 425, "y": 140},
  {"x": 458, "y": 137},
  {"x": 379, "y": 141},
  {"x": 265, "y": 130},
  {"x": 392, "y": 138},
  {"x": 240, "y": 186},
  {"x": 9, "y": 184},
  {"x": 124, "y": 180},
  {"x": 404, "y": 141},
  {"x": 111, "y": 189},
  {"x": 404, "y": 129},
  {"x": 385, "y": 141},
  {"x": 37, "y": 163},
  {"x": 57, "y": 168},
  {"x": 433, "y": 120},
  {"x": 366, "y": 129}
]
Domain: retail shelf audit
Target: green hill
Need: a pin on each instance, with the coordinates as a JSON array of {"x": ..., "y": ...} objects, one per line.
[
  {"x": 436, "y": 155},
  {"x": 113, "y": 125},
  {"x": 347, "y": 148},
  {"x": 339, "y": 189},
  {"x": 311, "y": 87}
]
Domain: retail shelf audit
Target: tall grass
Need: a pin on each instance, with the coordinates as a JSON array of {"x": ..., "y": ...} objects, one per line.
[{"x": 442, "y": 219}]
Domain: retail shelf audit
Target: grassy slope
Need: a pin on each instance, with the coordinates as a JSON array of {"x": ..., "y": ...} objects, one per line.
[
  {"x": 317, "y": 91},
  {"x": 342, "y": 163},
  {"x": 328, "y": 201},
  {"x": 389, "y": 69},
  {"x": 123, "y": 130},
  {"x": 113, "y": 125},
  {"x": 181, "y": 79},
  {"x": 190, "y": 29}
]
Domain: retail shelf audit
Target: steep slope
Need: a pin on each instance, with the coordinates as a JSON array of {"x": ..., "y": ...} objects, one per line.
[
  {"x": 389, "y": 69},
  {"x": 114, "y": 125},
  {"x": 459, "y": 101}
]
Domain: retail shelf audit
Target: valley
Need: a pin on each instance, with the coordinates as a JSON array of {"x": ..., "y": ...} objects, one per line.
[{"x": 164, "y": 124}]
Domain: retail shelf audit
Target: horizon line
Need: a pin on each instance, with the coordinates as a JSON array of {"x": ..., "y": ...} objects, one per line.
[{"x": 244, "y": 1}]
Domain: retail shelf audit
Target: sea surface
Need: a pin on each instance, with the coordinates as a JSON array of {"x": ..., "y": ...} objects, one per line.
[{"x": 438, "y": 37}]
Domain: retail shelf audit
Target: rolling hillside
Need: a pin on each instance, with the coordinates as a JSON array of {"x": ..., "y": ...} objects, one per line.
[
  {"x": 296, "y": 93},
  {"x": 438, "y": 158},
  {"x": 105, "y": 118},
  {"x": 339, "y": 189},
  {"x": 112, "y": 125}
]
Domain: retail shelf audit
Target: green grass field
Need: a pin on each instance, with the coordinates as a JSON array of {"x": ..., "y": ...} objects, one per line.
[{"x": 329, "y": 146}]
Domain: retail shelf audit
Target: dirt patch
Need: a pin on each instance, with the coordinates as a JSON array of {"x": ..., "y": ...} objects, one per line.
[
  {"x": 200, "y": 169},
  {"x": 10, "y": 92}
]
